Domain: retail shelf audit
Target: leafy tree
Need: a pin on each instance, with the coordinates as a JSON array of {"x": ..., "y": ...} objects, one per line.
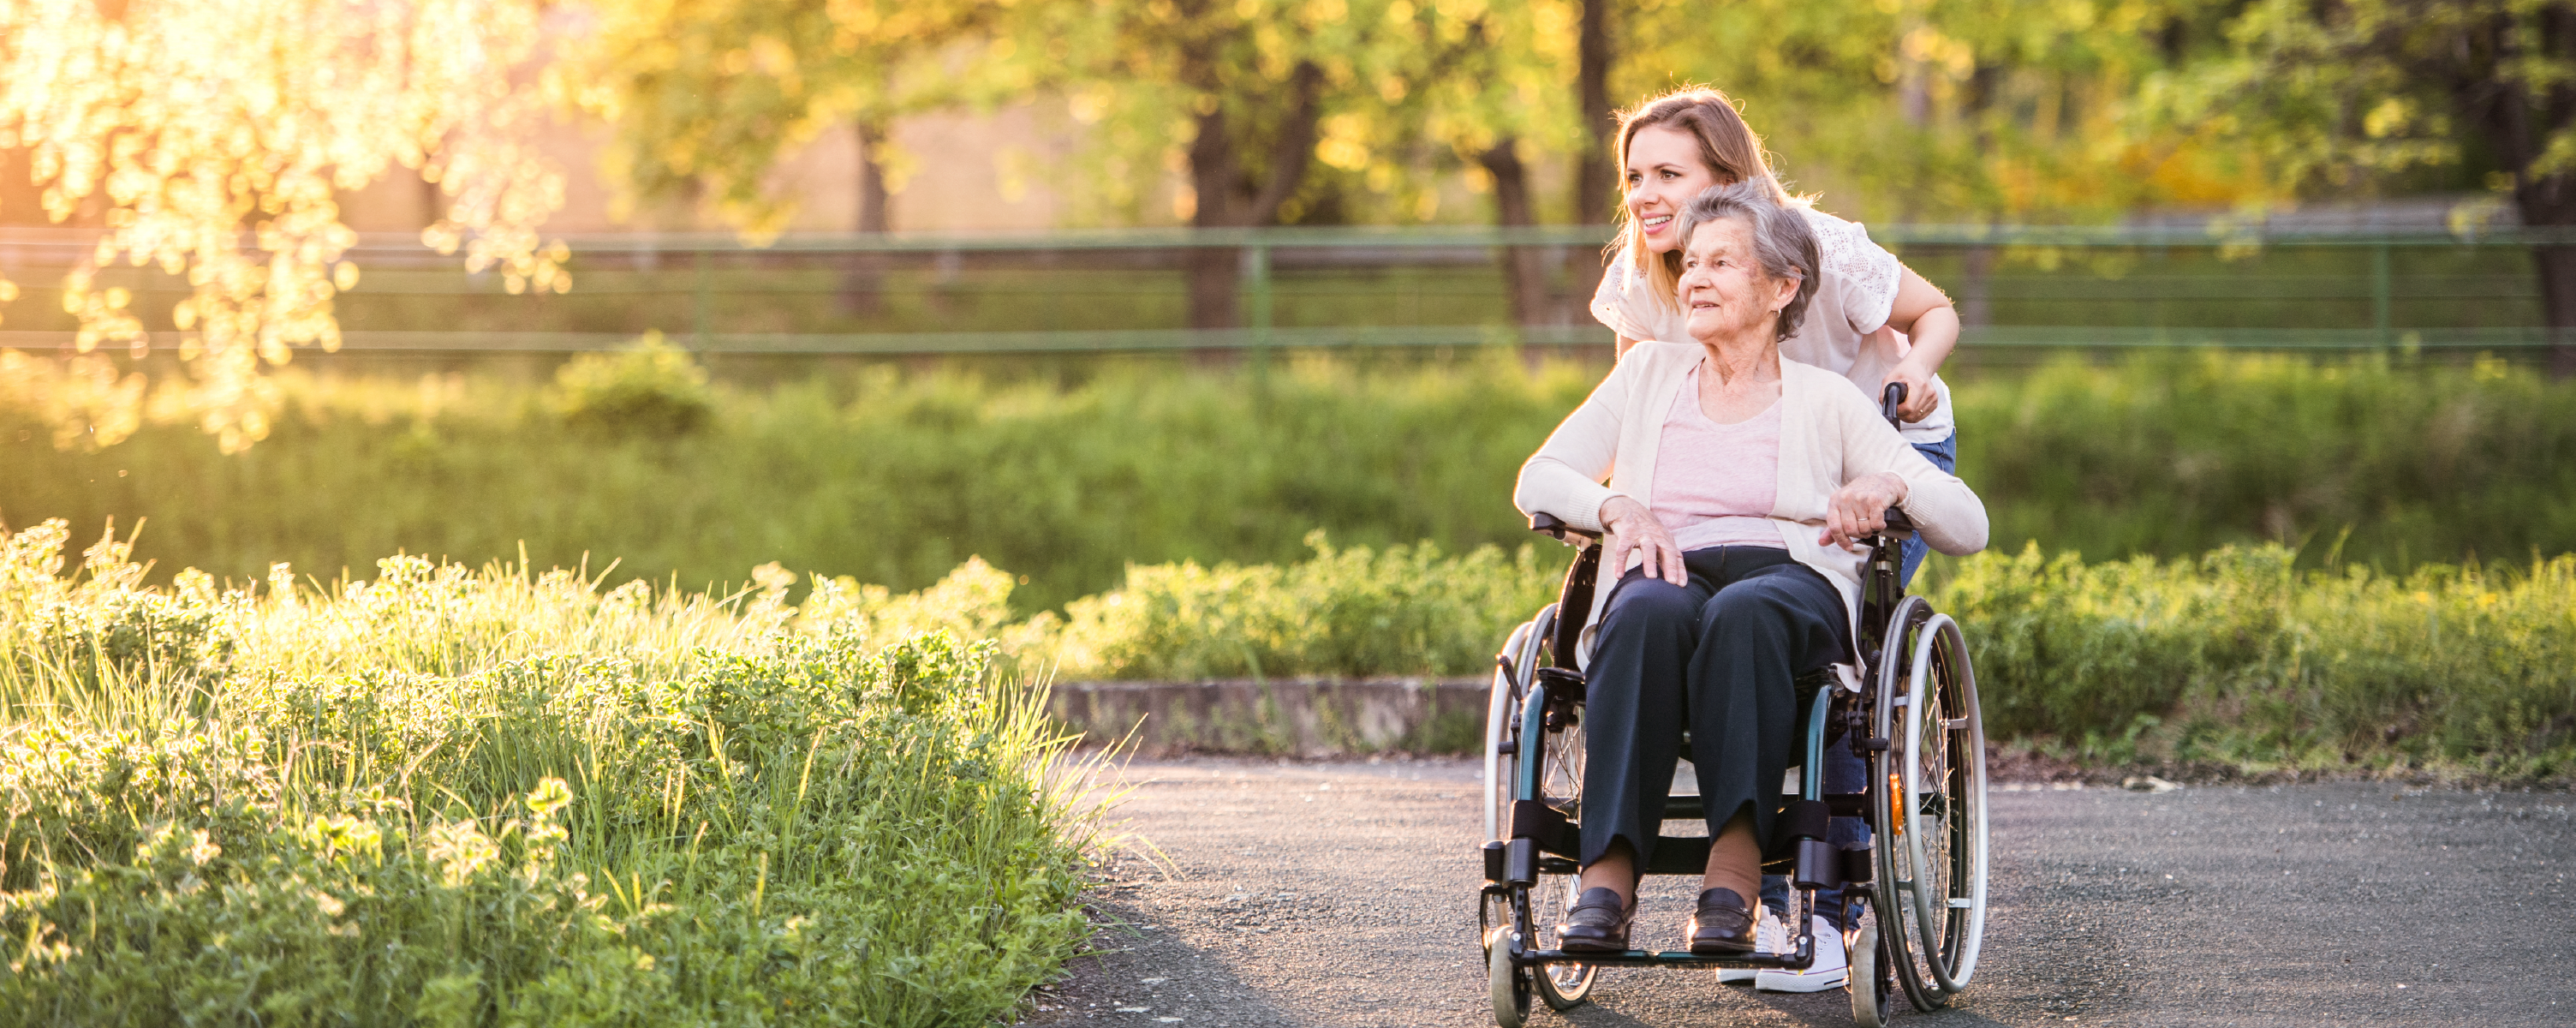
[
  {"x": 1248, "y": 96},
  {"x": 210, "y": 138},
  {"x": 2338, "y": 96},
  {"x": 708, "y": 96},
  {"x": 1988, "y": 110}
]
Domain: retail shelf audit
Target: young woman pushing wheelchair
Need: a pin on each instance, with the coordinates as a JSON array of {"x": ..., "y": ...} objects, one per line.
[{"x": 1739, "y": 484}]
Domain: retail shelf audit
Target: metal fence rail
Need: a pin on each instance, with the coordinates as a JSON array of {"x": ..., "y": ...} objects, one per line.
[{"x": 2058, "y": 287}]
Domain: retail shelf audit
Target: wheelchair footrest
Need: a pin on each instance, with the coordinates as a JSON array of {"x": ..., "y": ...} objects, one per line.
[{"x": 1799, "y": 961}]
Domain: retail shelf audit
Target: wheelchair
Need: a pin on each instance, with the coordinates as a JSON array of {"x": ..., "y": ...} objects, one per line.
[{"x": 1920, "y": 882}]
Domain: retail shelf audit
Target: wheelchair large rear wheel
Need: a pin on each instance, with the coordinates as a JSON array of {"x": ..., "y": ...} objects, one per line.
[
  {"x": 1536, "y": 911},
  {"x": 1930, "y": 821},
  {"x": 1560, "y": 785},
  {"x": 1514, "y": 669}
]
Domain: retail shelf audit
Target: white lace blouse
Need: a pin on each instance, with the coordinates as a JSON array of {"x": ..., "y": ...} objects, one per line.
[{"x": 1851, "y": 302}]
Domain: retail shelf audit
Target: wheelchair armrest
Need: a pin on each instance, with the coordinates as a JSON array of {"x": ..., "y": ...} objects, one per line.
[
  {"x": 1556, "y": 527},
  {"x": 1898, "y": 525}
]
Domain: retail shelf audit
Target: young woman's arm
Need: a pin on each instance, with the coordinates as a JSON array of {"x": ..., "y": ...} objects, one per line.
[{"x": 1931, "y": 324}]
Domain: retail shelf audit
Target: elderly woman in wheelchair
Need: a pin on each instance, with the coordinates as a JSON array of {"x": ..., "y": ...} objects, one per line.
[{"x": 1746, "y": 496}]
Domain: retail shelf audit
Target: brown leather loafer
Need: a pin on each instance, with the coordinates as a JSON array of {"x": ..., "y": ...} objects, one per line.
[
  {"x": 1723, "y": 925},
  {"x": 1597, "y": 923}
]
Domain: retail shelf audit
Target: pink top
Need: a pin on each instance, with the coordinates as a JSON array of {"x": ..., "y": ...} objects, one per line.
[{"x": 1715, "y": 485}]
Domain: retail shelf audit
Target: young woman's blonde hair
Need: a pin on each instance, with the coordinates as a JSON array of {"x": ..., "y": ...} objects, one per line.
[{"x": 1727, "y": 146}]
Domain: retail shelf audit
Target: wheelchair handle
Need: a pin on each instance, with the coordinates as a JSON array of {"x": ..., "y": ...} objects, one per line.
[
  {"x": 1556, "y": 527},
  {"x": 1889, "y": 400}
]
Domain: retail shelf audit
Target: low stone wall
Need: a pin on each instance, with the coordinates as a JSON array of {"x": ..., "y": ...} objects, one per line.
[{"x": 1283, "y": 717}]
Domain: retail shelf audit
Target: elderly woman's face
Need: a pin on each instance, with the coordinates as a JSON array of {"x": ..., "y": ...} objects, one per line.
[
  {"x": 1724, "y": 291},
  {"x": 1664, "y": 172}
]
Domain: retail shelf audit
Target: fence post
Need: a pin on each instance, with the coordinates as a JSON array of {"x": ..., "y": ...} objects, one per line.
[
  {"x": 701, "y": 306},
  {"x": 1256, "y": 270},
  {"x": 2380, "y": 288}
]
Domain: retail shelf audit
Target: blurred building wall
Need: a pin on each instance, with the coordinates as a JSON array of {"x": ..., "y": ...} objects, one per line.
[{"x": 967, "y": 172}]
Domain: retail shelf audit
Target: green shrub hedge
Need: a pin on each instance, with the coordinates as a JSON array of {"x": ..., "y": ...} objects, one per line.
[
  {"x": 2237, "y": 656},
  {"x": 897, "y": 476}
]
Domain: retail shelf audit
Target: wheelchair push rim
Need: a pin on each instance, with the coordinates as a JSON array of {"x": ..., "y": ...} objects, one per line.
[
  {"x": 1951, "y": 926},
  {"x": 1928, "y": 816}
]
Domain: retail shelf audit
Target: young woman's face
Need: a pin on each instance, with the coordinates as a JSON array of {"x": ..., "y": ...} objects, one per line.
[
  {"x": 1723, "y": 289},
  {"x": 1664, "y": 171}
]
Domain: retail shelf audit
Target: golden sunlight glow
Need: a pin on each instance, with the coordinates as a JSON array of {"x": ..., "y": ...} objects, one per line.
[{"x": 215, "y": 133}]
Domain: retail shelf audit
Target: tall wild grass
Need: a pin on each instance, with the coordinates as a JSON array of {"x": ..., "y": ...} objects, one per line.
[
  {"x": 897, "y": 475},
  {"x": 453, "y": 797}
]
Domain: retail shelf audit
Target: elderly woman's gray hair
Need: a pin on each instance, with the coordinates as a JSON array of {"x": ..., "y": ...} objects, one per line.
[{"x": 1782, "y": 242}]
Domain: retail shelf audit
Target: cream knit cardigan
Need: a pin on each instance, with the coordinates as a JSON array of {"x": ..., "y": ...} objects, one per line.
[{"x": 1829, "y": 435}]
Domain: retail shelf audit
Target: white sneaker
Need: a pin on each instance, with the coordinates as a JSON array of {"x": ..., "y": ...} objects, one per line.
[
  {"x": 1770, "y": 938},
  {"x": 1828, "y": 972}
]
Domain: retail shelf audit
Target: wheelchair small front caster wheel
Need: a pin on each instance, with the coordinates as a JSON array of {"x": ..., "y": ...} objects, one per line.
[
  {"x": 1869, "y": 994},
  {"x": 1511, "y": 985}
]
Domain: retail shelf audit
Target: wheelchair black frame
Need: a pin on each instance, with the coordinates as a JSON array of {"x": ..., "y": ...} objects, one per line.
[
  {"x": 1537, "y": 840},
  {"x": 1536, "y": 835}
]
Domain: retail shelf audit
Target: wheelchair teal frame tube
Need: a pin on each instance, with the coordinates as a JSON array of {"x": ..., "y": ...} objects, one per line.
[
  {"x": 1811, "y": 778},
  {"x": 1525, "y": 765}
]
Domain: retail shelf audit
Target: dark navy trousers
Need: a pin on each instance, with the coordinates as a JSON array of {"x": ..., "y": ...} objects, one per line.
[{"x": 1719, "y": 653}]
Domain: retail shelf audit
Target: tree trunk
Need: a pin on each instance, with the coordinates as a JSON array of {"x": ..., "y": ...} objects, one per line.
[
  {"x": 2518, "y": 126},
  {"x": 1524, "y": 273},
  {"x": 1214, "y": 272},
  {"x": 863, "y": 284},
  {"x": 1976, "y": 305},
  {"x": 2557, "y": 266},
  {"x": 1595, "y": 197}
]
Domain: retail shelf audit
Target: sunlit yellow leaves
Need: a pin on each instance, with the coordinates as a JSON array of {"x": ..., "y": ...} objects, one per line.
[
  {"x": 1088, "y": 104},
  {"x": 1929, "y": 45},
  {"x": 84, "y": 399},
  {"x": 191, "y": 121},
  {"x": 1345, "y": 142},
  {"x": 2387, "y": 119}
]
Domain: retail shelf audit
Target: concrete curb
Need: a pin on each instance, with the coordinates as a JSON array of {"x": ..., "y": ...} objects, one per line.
[{"x": 1304, "y": 717}]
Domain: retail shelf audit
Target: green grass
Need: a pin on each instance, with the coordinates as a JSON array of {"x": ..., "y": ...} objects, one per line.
[
  {"x": 1066, "y": 472},
  {"x": 446, "y": 797}
]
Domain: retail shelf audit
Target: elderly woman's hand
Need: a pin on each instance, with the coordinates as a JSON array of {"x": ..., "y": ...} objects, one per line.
[
  {"x": 1633, "y": 528},
  {"x": 1859, "y": 508}
]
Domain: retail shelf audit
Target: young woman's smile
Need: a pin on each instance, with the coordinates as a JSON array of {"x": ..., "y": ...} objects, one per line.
[{"x": 1665, "y": 169}]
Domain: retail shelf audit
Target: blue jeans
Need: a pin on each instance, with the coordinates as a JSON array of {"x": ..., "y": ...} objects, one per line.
[
  {"x": 1945, "y": 456},
  {"x": 1844, "y": 771}
]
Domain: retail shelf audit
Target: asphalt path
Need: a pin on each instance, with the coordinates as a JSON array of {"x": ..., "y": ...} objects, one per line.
[{"x": 1343, "y": 894}]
